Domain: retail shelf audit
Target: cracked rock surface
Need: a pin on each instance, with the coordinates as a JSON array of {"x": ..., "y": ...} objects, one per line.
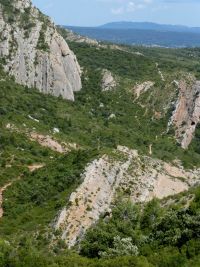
[
  {"x": 35, "y": 53},
  {"x": 186, "y": 115},
  {"x": 140, "y": 178}
]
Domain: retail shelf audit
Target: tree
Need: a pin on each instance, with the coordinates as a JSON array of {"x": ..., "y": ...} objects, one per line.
[{"x": 122, "y": 247}]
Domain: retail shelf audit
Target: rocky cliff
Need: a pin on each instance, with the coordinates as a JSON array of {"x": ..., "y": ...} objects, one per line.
[
  {"x": 139, "y": 178},
  {"x": 186, "y": 115},
  {"x": 34, "y": 52}
]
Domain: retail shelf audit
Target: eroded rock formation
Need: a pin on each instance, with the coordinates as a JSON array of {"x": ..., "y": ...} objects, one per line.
[
  {"x": 108, "y": 81},
  {"x": 139, "y": 177},
  {"x": 186, "y": 115},
  {"x": 35, "y": 53}
]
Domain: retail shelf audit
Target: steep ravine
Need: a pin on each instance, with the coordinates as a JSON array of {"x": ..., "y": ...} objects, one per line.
[{"x": 35, "y": 53}]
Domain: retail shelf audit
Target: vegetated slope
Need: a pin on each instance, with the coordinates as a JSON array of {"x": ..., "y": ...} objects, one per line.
[
  {"x": 140, "y": 37},
  {"x": 33, "y": 51},
  {"x": 97, "y": 122},
  {"x": 162, "y": 231}
]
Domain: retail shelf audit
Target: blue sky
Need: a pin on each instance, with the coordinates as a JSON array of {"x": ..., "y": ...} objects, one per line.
[{"x": 97, "y": 12}]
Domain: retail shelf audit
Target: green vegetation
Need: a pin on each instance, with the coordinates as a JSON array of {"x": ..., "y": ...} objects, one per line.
[
  {"x": 38, "y": 196},
  {"x": 87, "y": 123},
  {"x": 9, "y": 12},
  {"x": 42, "y": 44},
  {"x": 154, "y": 230},
  {"x": 156, "y": 234}
]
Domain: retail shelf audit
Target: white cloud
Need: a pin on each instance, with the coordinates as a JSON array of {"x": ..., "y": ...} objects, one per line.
[
  {"x": 129, "y": 6},
  {"x": 117, "y": 11},
  {"x": 132, "y": 6}
]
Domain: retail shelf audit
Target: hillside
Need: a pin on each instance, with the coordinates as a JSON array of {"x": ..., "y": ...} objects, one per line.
[{"x": 112, "y": 178}]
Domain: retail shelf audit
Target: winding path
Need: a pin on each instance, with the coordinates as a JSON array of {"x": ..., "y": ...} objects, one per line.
[
  {"x": 31, "y": 169},
  {"x": 1, "y": 197}
]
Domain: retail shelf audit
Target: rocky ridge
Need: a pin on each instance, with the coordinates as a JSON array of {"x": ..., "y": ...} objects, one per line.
[
  {"x": 139, "y": 178},
  {"x": 74, "y": 37},
  {"x": 35, "y": 53}
]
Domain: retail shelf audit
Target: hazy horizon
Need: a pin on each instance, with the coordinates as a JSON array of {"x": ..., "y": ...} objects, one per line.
[{"x": 128, "y": 21}]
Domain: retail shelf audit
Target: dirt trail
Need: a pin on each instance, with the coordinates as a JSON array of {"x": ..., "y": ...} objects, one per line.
[
  {"x": 35, "y": 167},
  {"x": 48, "y": 141},
  {"x": 31, "y": 168},
  {"x": 1, "y": 197}
]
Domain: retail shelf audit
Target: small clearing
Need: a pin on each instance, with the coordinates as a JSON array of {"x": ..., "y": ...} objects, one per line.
[
  {"x": 142, "y": 88},
  {"x": 48, "y": 141},
  {"x": 35, "y": 167}
]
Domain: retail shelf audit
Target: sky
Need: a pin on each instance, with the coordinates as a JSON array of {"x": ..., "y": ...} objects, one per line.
[{"x": 98, "y": 12}]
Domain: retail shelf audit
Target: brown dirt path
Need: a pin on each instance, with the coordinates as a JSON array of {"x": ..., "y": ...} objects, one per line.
[
  {"x": 1, "y": 197},
  {"x": 31, "y": 168},
  {"x": 48, "y": 141},
  {"x": 35, "y": 167}
]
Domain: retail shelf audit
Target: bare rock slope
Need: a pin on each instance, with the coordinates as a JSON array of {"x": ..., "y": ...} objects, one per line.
[
  {"x": 186, "y": 115},
  {"x": 108, "y": 81},
  {"x": 34, "y": 52},
  {"x": 142, "y": 88},
  {"x": 140, "y": 178}
]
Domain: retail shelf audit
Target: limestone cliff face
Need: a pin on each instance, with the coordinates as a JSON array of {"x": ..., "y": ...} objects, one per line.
[
  {"x": 139, "y": 178},
  {"x": 35, "y": 53},
  {"x": 108, "y": 81},
  {"x": 187, "y": 111}
]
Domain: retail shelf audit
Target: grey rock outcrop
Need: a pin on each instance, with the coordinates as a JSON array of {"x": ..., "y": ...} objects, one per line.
[
  {"x": 142, "y": 88},
  {"x": 141, "y": 178},
  {"x": 108, "y": 81},
  {"x": 186, "y": 115},
  {"x": 74, "y": 37},
  {"x": 35, "y": 53}
]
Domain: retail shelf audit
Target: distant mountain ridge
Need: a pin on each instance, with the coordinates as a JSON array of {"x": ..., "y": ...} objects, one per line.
[
  {"x": 146, "y": 37},
  {"x": 149, "y": 26}
]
